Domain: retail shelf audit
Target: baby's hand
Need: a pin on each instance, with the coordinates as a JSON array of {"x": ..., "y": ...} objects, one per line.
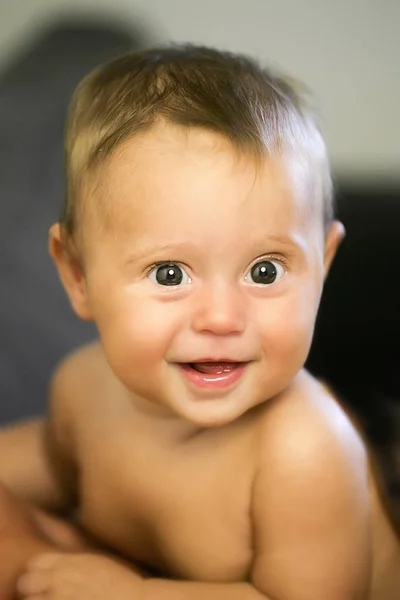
[{"x": 62, "y": 576}]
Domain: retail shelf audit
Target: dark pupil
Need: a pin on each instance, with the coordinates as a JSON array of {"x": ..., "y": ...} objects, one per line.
[
  {"x": 264, "y": 272},
  {"x": 169, "y": 275}
]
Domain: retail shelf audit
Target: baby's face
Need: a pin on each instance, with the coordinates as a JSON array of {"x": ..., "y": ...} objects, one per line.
[{"x": 206, "y": 286}]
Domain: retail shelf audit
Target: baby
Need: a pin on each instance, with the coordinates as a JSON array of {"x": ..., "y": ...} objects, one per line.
[{"x": 190, "y": 444}]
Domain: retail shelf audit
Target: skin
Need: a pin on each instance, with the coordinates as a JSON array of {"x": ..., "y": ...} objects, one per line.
[{"x": 263, "y": 490}]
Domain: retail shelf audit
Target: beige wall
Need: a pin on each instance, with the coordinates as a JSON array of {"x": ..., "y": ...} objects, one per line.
[{"x": 348, "y": 51}]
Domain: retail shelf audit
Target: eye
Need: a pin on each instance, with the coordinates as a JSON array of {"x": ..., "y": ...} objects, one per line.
[
  {"x": 265, "y": 272},
  {"x": 169, "y": 274}
]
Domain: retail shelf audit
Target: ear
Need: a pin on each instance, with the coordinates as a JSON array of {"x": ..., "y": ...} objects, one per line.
[
  {"x": 71, "y": 274},
  {"x": 333, "y": 239}
]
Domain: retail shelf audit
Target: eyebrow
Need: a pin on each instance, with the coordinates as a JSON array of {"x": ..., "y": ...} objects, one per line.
[
  {"x": 146, "y": 251},
  {"x": 285, "y": 241}
]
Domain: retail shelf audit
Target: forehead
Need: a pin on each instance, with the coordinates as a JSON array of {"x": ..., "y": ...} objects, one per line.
[{"x": 173, "y": 175}]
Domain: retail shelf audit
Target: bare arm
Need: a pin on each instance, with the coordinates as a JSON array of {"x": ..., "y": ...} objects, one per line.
[
  {"x": 37, "y": 469},
  {"x": 185, "y": 590},
  {"x": 36, "y": 456},
  {"x": 25, "y": 468}
]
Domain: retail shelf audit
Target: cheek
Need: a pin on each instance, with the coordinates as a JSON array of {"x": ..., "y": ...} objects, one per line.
[
  {"x": 136, "y": 330},
  {"x": 286, "y": 326}
]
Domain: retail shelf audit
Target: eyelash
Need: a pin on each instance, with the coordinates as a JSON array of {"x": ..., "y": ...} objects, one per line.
[
  {"x": 270, "y": 257},
  {"x": 159, "y": 263}
]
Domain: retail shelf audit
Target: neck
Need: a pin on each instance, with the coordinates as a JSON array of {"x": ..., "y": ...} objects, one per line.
[{"x": 168, "y": 426}]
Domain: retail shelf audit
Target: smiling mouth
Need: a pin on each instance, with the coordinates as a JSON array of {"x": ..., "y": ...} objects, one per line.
[
  {"x": 213, "y": 374},
  {"x": 214, "y": 368}
]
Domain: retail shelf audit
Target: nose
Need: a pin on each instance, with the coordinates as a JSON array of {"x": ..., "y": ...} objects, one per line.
[{"x": 220, "y": 309}]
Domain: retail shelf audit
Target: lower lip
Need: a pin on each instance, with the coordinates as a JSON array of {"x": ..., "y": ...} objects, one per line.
[{"x": 209, "y": 381}]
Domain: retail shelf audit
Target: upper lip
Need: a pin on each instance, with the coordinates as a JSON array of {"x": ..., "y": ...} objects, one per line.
[{"x": 214, "y": 360}]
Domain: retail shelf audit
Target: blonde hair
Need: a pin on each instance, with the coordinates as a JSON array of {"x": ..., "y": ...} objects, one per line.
[{"x": 193, "y": 86}]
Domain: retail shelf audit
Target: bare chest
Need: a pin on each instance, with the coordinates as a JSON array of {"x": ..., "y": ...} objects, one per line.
[{"x": 184, "y": 513}]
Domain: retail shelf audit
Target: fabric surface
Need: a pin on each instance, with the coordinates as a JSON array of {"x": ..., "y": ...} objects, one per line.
[{"x": 37, "y": 326}]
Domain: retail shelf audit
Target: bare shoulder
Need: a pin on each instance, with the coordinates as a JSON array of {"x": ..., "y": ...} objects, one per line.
[
  {"x": 81, "y": 375},
  {"x": 84, "y": 362},
  {"x": 307, "y": 421},
  {"x": 311, "y": 504},
  {"x": 80, "y": 385}
]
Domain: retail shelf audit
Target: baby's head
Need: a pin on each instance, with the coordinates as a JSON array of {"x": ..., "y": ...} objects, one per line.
[{"x": 197, "y": 228}]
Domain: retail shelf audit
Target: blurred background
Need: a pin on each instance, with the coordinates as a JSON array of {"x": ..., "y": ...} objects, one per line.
[{"x": 346, "y": 51}]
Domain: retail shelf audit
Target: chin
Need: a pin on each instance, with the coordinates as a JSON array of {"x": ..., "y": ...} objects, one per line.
[{"x": 211, "y": 413}]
